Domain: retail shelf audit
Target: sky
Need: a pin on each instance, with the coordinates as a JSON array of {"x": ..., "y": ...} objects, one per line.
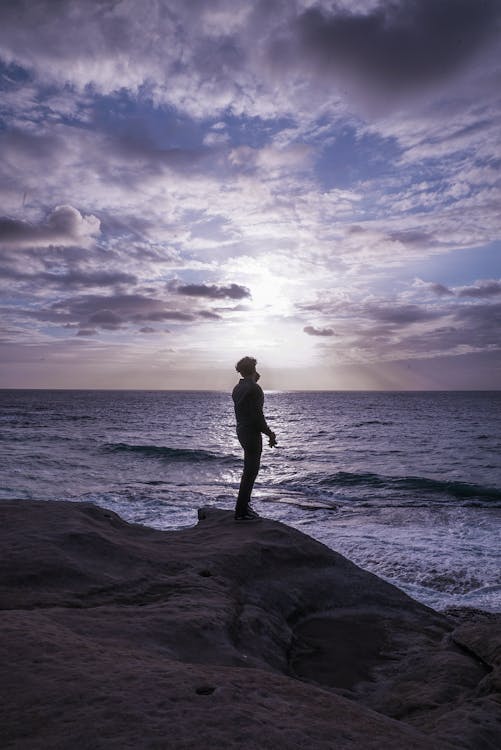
[{"x": 312, "y": 183}]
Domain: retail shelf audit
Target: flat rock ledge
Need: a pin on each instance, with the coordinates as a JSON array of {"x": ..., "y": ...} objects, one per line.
[{"x": 225, "y": 635}]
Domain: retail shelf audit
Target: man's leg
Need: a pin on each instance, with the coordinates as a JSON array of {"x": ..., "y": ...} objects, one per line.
[{"x": 252, "y": 446}]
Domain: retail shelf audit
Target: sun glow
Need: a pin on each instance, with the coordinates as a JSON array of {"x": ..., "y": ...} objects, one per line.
[{"x": 271, "y": 288}]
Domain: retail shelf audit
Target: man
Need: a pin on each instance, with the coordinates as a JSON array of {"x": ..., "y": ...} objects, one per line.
[{"x": 248, "y": 398}]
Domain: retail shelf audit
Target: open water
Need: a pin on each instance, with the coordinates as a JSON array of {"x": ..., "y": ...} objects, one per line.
[{"x": 405, "y": 484}]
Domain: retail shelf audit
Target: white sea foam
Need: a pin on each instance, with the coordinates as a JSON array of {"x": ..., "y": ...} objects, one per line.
[{"x": 441, "y": 556}]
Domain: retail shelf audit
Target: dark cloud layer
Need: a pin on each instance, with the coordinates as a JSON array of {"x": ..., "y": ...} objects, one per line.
[
  {"x": 451, "y": 326},
  {"x": 68, "y": 280},
  {"x": 397, "y": 44},
  {"x": 483, "y": 317},
  {"x": 481, "y": 289},
  {"x": 411, "y": 237},
  {"x": 77, "y": 278},
  {"x": 212, "y": 291},
  {"x": 400, "y": 315},
  {"x": 474, "y": 326},
  {"x": 312, "y": 331},
  {"x": 441, "y": 290},
  {"x": 113, "y": 312},
  {"x": 65, "y": 225},
  {"x": 87, "y": 332},
  {"x": 59, "y": 252}
]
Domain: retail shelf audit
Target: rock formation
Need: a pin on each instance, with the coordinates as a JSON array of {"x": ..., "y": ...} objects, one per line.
[{"x": 225, "y": 635}]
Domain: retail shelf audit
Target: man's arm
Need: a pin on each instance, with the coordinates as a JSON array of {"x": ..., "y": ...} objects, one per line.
[{"x": 262, "y": 424}]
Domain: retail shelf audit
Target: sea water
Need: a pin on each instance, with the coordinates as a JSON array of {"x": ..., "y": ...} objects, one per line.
[{"x": 405, "y": 484}]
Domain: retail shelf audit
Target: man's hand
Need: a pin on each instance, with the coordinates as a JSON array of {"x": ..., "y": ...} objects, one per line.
[{"x": 273, "y": 440}]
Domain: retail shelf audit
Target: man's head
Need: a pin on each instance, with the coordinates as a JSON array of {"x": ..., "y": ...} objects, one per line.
[{"x": 247, "y": 367}]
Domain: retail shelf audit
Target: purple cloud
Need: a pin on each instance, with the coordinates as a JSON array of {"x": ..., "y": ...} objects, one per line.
[
  {"x": 312, "y": 331},
  {"x": 86, "y": 332},
  {"x": 440, "y": 290},
  {"x": 400, "y": 315},
  {"x": 65, "y": 225},
  {"x": 481, "y": 289},
  {"x": 398, "y": 45},
  {"x": 115, "y": 311},
  {"x": 212, "y": 291}
]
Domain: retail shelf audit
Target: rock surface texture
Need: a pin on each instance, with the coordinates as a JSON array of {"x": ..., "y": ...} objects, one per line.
[{"x": 225, "y": 635}]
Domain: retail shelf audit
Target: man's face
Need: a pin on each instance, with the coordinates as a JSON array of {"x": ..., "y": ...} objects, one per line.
[{"x": 257, "y": 376}]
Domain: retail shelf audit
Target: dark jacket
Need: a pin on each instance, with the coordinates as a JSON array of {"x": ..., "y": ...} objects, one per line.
[{"x": 248, "y": 399}]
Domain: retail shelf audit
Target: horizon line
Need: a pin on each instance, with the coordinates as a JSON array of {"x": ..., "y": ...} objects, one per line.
[{"x": 266, "y": 390}]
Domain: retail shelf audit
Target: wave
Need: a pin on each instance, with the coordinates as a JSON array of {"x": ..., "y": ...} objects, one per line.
[
  {"x": 423, "y": 485},
  {"x": 303, "y": 504},
  {"x": 170, "y": 454}
]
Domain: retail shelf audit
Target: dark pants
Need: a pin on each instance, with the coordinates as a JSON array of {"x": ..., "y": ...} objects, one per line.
[{"x": 252, "y": 444}]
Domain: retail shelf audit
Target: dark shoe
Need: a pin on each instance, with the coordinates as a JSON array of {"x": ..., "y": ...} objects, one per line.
[{"x": 249, "y": 515}]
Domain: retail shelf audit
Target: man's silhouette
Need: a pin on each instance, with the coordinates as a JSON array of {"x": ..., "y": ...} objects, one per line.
[{"x": 248, "y": 398}]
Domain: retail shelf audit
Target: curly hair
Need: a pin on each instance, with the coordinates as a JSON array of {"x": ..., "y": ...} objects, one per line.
[{"x": 246, "y": 366}]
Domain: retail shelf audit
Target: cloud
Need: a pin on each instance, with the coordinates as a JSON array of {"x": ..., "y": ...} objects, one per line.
[
  {"x": 484, "y": 318},
  {"x": 67, "y": 280},
  {"x": 77, "y": 278},
  {"x": 138, "y": 146},
  {"x": 312, "y": 331},
  {"x": 400, "y": 315},
  {"x": 272, "y": 159},
  {"x": 385, "y": 330},
  {"x": 116, "y": 46},
  {"x": 395, "y": 46},
  {"x": 470, "y": 328},
  {"x": 209, "y": 315},
  {"x": 212, "y": 291},
  {"x": 481, "y": 289},
  {"x": 106, "y": 319},
  {"x": 60, "y": 253},
  {"x": 65, "y": 225},
  {"x": 410, "y": 237},
  {"x": 119, "y": 311},
  {"x": 257, "y": 59},
  {"x": 112, "y": 312},
  {"x": 26, "y": 145},
  {"x": 241, "y": 147},
  {"x": 440, "y": 290}
]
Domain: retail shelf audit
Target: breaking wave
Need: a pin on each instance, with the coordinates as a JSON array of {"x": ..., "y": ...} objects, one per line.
[
  {"x": 422, "y": 485},
  {"x": 169, "y": 454}
]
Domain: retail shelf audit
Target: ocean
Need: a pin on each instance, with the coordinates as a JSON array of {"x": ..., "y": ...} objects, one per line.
[{"x": 405, "y": 484}]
